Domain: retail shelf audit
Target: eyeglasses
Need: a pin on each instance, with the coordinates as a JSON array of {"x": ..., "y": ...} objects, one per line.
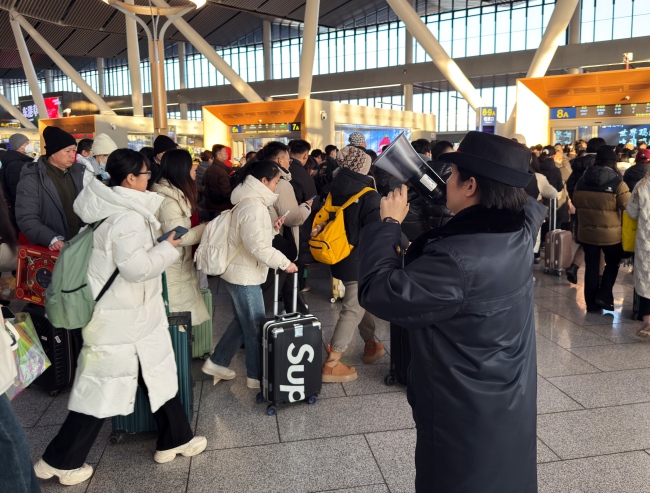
[{"x": 148, "y": 173}]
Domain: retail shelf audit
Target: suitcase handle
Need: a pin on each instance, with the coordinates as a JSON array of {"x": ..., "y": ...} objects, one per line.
[
  {"x": 552, "y": 215},
  {"x": 276, "y": 293}
]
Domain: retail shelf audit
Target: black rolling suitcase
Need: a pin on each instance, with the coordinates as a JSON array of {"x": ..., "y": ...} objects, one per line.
[
  {"x": 61, "y": 346},
  {"x": 400, "y": 355},
  {"x": 292, "y": 357}
]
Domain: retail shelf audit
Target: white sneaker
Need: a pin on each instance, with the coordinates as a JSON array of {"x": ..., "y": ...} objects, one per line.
[
  {"x": 252, "y": 383},
  {"x": 67, "y": 477},
  {"x": 194, "y": 447},
  {"x": 217, "y": 371}
]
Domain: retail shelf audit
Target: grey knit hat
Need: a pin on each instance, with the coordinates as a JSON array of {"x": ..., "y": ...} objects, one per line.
[
  {"x": 357, "y": 139},
  {"x": 17, "y": 140}
]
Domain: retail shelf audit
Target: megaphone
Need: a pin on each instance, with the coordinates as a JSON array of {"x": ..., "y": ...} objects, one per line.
[{"x": 404, "y": 163}]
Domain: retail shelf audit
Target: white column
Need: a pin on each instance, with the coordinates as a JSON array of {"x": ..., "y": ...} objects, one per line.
[
  {"x": 443, "y": 61},
  {"x": 555, "y": 31},
  {"x": 15, "y": 112},
  {"x": 133, "y": 49},
  {"x": 28, "y": 66},
  {"x": 204, "y": 47},
  {"x": 100, "y": 77},
  {"x": 181, "y": 75},
  {"x": 268, "y": 52},
  {"x": 309, "y": 33},
  {"x": 64, "y": 66},
  {"x": 408, "y": 59},
  {"x": 574, "y": 32},
  {"x": 49, "y": 86}
]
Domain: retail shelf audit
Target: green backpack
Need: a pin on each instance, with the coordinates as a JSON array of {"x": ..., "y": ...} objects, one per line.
[{"x": 69, "y": 302}]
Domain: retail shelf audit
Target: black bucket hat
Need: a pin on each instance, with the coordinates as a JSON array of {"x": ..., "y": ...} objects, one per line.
[{"x": 494, "y": 157}]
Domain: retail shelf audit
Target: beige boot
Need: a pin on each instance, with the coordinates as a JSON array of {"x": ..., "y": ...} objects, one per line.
[
  {"x": 335, "y": 371},
  {"x": 372, "y": 351},
  {"x": 645, "y": 328}
]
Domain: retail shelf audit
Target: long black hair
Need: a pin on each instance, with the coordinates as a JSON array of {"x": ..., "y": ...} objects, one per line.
[
  {"x": 123, "y": 162},
  {"x": 175, "y": 167},
  {"x": 260, "y": 169}
]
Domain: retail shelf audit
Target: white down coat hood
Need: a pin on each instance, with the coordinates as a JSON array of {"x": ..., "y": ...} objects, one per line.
[
  {"x": 129, "y": 324},
  {"x": 251, "y": 225}
]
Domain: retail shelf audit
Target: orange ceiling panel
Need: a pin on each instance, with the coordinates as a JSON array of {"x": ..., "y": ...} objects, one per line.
[
  {"x": 592, "y": 89},
  {"x": 264, "y": 112}
]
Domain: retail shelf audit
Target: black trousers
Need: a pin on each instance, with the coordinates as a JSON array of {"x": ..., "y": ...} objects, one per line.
[
  {"x": 70, "y": 447},
  {"x": 644, "y": 306},
  {"x": 603, "y": 289}
]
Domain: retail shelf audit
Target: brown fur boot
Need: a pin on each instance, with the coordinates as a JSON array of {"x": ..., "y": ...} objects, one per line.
[
  {"x": 335, "y": 371},
  {"x": 372, "y": 351}
]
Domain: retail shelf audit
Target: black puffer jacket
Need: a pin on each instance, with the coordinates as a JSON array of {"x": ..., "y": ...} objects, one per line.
[
  {"x": 12, "y": 167},
  {"x": 548, "y": 168},
  {"x": 347, "y": 183},
  {"x": 578, "y": 167},
  {"x": 302, "y": 182},
  {"x": 472, "y": 378},
  {"x": 634, "y": 174}
]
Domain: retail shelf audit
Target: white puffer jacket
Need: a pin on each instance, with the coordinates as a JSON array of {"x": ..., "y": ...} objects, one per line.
[
  {"x": 638, "y": 207},
  {"x": 129, "y": 324},
  {"x": 8, "y": 370},
  {"x": 251, "y": 225},
  {"x": 182, "y": 281}
]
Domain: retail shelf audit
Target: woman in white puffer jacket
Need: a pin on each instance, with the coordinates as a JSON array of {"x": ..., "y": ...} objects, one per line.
[
  {"x": 250, "y": 235},
  {"x": 127, "y": 340},
  {"x": 177, "y": 188},
  {"x": 638, "y": 207}
]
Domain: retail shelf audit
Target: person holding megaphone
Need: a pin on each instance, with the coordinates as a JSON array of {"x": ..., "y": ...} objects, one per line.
[{"x": 465, "y": 294}]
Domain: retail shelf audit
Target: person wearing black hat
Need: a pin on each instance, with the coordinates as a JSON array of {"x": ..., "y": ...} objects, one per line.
[
  {"x": 161, "y": 145},
  {"x": 600, "y": 197},
  {"x": 13, "y": 162},
  {"x": 47, "y": 190},
  {"x": 465, "y": 295}
]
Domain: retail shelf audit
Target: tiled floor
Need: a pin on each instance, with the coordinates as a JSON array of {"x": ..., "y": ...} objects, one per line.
[{"x": 593, "y": 424}]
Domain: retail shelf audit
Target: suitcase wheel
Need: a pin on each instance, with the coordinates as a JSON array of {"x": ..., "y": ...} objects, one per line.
[
  {"x": 205, "y": 356},
  {"x": 115, "y": 438},
  {"x": 54, "y": 393},
  {"x": 311, "y": 400},
  {"x": 259, "y": 398},
  {"x": 546, "y": 271},
  {"x": 333, "y": 300},
  {"x": 271, "y": 410},
  {"x": 390, "y": 380}
]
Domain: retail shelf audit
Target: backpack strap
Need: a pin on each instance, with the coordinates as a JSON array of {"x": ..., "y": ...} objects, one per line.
[
  {"x": 356, "y": 197},
  {"x": 113, "y": 275}
]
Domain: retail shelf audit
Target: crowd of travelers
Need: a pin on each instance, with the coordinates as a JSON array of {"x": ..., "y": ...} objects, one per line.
[{"x": 494, "y": 185}]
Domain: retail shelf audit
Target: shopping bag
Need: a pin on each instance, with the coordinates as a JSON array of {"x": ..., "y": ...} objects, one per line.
[
  {"x": 30, "y": 357},
  {"x": 629, "y": 232}
]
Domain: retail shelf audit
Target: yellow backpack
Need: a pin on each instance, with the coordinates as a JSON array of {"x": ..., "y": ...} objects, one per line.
[{"x": 331, "y": 244}]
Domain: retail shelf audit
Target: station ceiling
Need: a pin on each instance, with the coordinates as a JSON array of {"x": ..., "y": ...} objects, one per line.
[{"x": 83, "y": 30}]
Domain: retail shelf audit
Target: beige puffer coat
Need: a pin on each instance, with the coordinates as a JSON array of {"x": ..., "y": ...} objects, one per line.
[
  {"x": 252, "y": 227},
  {"x": 298, "y": 213},
  {"x": 639, "y": 208},
  {"x": 182, "y": 281}
]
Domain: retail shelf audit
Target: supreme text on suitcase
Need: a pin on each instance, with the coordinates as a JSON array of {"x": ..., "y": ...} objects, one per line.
[
  {"x": 557, "y": 254},
  {"x": 62, "y": 347},
  {"x": 141, "y": 419},
  {"x": 291, "y": 356}
]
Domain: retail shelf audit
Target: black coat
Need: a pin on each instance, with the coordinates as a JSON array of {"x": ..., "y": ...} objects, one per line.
[
  {"x": 466, "y": 297},
  {"x": 302, "y": 182},
  {"x": 578, "y": 167},
  {"x": 634, "y": 174},
  {"x": 347, "y": 183},
  {"x": 548, "y": 168},
  {"x": 12, "y": 167}
]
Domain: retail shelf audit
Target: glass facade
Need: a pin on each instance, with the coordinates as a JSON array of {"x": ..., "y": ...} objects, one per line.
[{"x": 376, "y": 40}]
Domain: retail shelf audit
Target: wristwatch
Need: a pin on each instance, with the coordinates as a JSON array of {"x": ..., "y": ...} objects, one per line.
[{"x": 389, "y": 220}]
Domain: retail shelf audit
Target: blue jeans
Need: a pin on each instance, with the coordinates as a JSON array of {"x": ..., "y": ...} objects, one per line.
[
  {"x": 16, "y": 474},
  {"x": 248, "y": 305}
]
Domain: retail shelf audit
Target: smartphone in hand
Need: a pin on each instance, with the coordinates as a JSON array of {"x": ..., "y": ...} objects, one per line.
[
  {"x": 179, "y": 230},
  {"x": 284, "y": 215}
]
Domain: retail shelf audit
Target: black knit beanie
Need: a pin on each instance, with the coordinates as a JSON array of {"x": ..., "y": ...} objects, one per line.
[{"x": 57, "y": 139}]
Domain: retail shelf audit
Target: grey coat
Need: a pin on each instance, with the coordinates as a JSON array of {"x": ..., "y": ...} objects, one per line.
[{"x": 39, "y": 212}]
